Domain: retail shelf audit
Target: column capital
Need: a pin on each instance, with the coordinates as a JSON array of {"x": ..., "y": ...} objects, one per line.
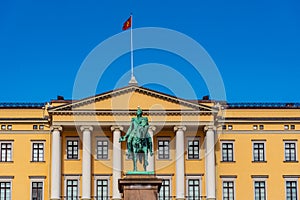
[
  {"x": 116, "y": 127},
  {"x": 210, "y": 128},
  {"x": 58, "y": 128},
  {"x": 83, "y": 128},
  {"x": 178, "y": 128},
  {"x": 152, "y": 128}
]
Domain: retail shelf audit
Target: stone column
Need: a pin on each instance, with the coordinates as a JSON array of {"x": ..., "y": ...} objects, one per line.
[
  {"x": 151, "y": 166},
  {"x": 56, "y": 163},
  {"x": 210, "y": 163},
  {"x": 179, "y": 130},
  {"x": 86, "y": 161},
  {"x": 117, "y": 161}
]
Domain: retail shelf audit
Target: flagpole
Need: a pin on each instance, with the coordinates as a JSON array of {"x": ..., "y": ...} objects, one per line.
[{"x": 131, "y": 47}]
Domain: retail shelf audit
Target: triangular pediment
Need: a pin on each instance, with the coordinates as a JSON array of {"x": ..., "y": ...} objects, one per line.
[{"x": 129, "y": 98}]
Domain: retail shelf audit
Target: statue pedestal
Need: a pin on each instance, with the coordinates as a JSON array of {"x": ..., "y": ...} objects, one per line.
[{"x": 140, "y": 186}]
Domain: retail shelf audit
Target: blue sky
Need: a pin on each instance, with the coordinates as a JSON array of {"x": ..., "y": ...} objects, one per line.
[{"x": 255, "y": 45}]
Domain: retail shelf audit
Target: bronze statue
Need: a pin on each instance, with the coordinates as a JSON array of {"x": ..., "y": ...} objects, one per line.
[{"x": 139, "y": 141}]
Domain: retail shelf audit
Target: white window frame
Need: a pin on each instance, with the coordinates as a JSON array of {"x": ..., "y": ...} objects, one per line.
[
  {"x": 37, "y": 179},
  {"x": 188, "y": 177},
  {"x": 233, "y": 152},
  {"x": 8, "y": 179},
  {"x": 157, "y": 141},
  {"x": 165, "y": 177},
  {"x": 197, "y": 138},
  {"x": 66, "y": 147},
  {"x": 265, "y": 149},
  {"x": 71, "y": 177},
  {"x": 38, "y": 141},
  {"x": 234, "y": 188},
  {"x": 296, "y": 150},
  {"x": 101, "y": 177},
  {"x": 291, "y": 179},
  {"x": 260, "y": 179},
  {"x": 12, "y": 149},
  {"x": 102, "y": 138}
]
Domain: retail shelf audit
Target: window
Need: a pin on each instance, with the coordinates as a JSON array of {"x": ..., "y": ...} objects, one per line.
[
  {"x": 3, "y": 127},
  {"x": 291, "y": 190},
  {"x": 37, "y": 190},
  {"x": 259, "y": 190},
  {"x": 163, "y": 149},
  {"x": 9, "y": 127},
  {"x": 258, "y": 151},
  {"x": 5, "y": 190},
  {"x": 292, "y": 127},
  {"x": 41, "y": 127},
  {"x": 290, "y": 151},
  {"x": 228, "y": 190},
  {"x": 193, "y": 149},
  {"x": 102, "y": 149},
  {"x": 194, "y": 189},
  {"x": 261, "y": 127},
  {"x": 37, "y": 151},
  {"x": 227, "y": 151},
  {"x": 254, "y": 127},
  {"x": 286, "y": 127},
  {"x": 230, "y": 127},
  {"x": 164, "y": 193},
  {"x": 72, "y": 149},
  {"x": 102, "y": 190},
  {"x": 34, "y": 127},
  {"x": 72, "y": 190},
  {"x": 6, "y": 151},
  {"x": 224, "y": 127}
]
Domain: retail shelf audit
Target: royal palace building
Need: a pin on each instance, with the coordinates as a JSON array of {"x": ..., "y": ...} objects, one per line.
[{"x": 203, "y": 149}]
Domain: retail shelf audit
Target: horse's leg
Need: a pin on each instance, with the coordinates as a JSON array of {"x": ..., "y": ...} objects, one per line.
[
  {"x": 145, "y": 158},
  {"x": 134, "y": 159}
]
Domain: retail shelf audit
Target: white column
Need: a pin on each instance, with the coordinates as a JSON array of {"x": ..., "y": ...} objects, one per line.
[
  {"x": 179, "y": 130},
  {"x": 151, "y": 159},
  {"x": 86, "y": 161},
  {"x": 210, "y": 163},
  {"x": 117, "y": 161},
  {"x": 56, "y": 163}
]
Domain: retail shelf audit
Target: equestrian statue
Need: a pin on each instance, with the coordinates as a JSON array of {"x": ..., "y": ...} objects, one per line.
[{"x": 139, "y": 141}]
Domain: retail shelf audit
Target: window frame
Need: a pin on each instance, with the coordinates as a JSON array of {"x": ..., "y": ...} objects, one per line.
[
  {"x": 169, "y": 145},
  {"x": 260, "y": 179},
  {"x": 296, "y": 150},
  {"x": 73, "y": 178},
  {"x": 11, "y": 142},
  {"x": 285, "y": 185},
  {"x": 229, "y": 180},
  {"x": 32, "y": 150},
  {"x": 169, "y": 178},
  {"x": 233, "y": 147},
  {"x": 188, "y": 139},
  {"x": 96, "y": 147},
  {"x": 37, "y": 179},
  {"x": 264, "y": 151},
  {"x": 101, "y": 177},
  {"x": 199, "y": 178},
  {"x": 7, "y": 179},
  {"x": 78, "y": 148}
]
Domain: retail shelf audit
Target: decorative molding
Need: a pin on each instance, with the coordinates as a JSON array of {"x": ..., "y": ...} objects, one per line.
[
  {"x": 228, "y": 176},
  {"x": 178, "y": 128},
  {"x": 152, "y": 128},
  {"x": 58, "y": 128},
  {"x": 210, "y": 127},
  {"x": 291, "y": 176},
  {"x": 37, "y": 177},
  {"x": 259, "y": 176},
  {"x": 116, "y": 127},
  {"x": 83, "y": 128}
]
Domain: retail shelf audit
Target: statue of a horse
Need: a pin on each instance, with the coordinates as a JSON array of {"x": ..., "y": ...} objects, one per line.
[
  {"x": 141, "y": 146},
  {"x": 139, "y": 142}
]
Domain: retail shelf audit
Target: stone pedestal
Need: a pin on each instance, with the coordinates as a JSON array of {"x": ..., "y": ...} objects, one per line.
[{"x": 140, "y": 187}]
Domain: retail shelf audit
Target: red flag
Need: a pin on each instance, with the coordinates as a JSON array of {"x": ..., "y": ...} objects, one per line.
[{"x": 127, "y": 24}]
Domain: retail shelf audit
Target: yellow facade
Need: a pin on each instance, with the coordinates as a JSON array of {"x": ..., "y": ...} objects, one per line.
[{"x": 263, "y": 139}]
